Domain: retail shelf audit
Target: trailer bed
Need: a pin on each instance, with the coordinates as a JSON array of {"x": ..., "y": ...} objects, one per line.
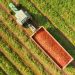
[{"x": 54, "y": 50}]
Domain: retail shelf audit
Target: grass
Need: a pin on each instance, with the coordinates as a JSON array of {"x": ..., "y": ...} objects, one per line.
[
  {"x": 65, "y": 9},
  {"x": 7, "y": 66},
  {"x": 14, "y": 58},
  {"x": 2, "y": 72}
]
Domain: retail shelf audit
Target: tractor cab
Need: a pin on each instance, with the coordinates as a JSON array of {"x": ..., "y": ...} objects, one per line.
[{"x": 22, "y": 17}]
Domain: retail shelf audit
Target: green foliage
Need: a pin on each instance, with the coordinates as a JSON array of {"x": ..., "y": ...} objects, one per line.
[
  {"x": 2, "y": 72},
  {"x": 7, "y": 66},
  {"x": 14, "y": 58}
]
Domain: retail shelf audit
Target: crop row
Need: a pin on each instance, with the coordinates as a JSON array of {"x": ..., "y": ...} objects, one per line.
[
  {"x": 21, "y": 50},
  {"x": 2, "y": 72},
  {"x": 14, "y": 58},
  {"x": 55, "y": 18},
  {"x": 7, "y": 66},
  {"x": 34, "y": 50}
]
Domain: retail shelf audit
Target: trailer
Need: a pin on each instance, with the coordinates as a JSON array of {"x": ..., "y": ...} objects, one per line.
[{"x": 47, "y": 43}]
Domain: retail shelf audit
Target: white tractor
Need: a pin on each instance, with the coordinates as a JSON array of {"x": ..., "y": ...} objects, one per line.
[{"x": 22, "y": 16}]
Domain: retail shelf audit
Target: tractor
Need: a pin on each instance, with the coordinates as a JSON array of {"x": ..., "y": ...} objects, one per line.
[{"x": 22, "y": 16}]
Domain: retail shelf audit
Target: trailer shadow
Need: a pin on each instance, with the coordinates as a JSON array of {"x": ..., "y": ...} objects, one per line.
[
  {"x": 63, "y": 40},
  {"x": 57, "y": 34}
]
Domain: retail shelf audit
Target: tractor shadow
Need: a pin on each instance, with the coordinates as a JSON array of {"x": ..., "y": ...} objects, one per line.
[{"x": 41, "y": 20}]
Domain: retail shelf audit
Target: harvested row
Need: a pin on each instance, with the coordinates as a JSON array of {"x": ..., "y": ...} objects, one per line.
[
  {"x": 34, "y": 50},
  {"x": 2, "y": 72},
  {"x": 55, "y": 19},
  {"x": 22, "y": 51},
  {"x": 14, "y": 58},
  {"x": 7, "y": 66}
]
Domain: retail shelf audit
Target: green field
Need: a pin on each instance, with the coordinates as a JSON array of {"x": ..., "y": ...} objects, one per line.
[{"x": 19, "y": 55}]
